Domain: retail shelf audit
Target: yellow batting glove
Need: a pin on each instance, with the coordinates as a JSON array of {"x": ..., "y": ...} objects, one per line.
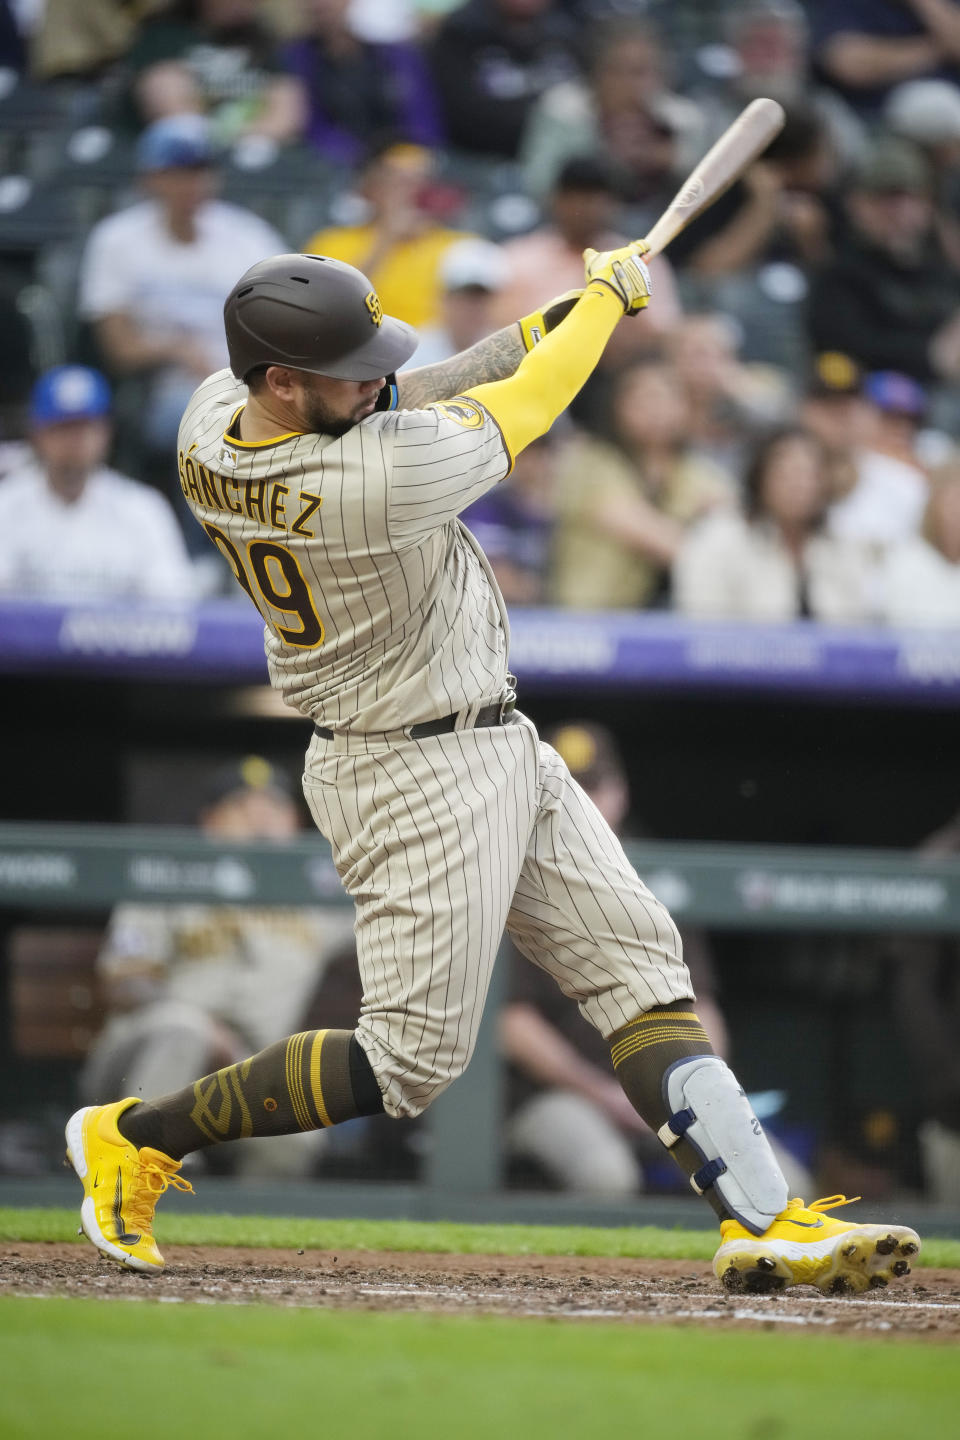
[
  {"x": 533, "y": 327},
  {"x": 623, "y": 272}
]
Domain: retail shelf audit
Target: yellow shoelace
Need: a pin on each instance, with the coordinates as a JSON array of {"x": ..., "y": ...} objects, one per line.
[
  {"x": 152, "y": 1181},
  {"x": 829, "y": 1202}
]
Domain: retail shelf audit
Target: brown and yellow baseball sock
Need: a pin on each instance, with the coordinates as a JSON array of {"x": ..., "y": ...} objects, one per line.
[
  {"x": 642, "y": 1052},
  {"x": 308, "y": 1081}
]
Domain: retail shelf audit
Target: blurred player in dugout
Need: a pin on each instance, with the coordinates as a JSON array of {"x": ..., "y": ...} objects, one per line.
[
  {"x": 190, "y": 988},
  {"x": 567, "y": 1114}
]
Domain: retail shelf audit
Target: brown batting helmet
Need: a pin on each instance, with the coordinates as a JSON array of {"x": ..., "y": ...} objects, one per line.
[{"x": 312, "y": 313}]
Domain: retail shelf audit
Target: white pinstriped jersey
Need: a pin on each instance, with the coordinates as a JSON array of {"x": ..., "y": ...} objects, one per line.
[
  {"x": 380, "y": 613},
  {"x": 381, "y": 610}
]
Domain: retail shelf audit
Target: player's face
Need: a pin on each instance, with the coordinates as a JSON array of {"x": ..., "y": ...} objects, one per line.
[{"x": 332, "y": 407}]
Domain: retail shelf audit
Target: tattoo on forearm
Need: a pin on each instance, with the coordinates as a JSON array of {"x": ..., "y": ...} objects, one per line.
[{"x": 494, "y": 358}]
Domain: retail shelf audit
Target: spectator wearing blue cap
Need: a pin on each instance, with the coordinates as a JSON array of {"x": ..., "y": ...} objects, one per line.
[
  {"x": 72, "y": 529},
  {"x": 154, "y": 278},
  {"x": 899, "y": 405}
]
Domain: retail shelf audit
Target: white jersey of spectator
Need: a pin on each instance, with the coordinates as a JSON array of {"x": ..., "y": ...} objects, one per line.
[
  {"x": 14, "y": 455},
  {"x": 885, "y": 505},
  {"x": 117, "y": 539},
  {"x": 133, "y": 265},
  {"x": 729, "y": 569},
  {"x": 919, "y": 585}
]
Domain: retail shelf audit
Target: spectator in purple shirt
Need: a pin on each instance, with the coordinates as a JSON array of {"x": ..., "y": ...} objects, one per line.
[{"x": 357, "y": 89}]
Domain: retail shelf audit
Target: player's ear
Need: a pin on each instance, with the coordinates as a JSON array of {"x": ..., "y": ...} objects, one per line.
[{"x": 281, "y": 381}]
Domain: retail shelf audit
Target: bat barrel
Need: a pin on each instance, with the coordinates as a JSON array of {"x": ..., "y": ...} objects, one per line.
[{"x": 725, "y": 162}]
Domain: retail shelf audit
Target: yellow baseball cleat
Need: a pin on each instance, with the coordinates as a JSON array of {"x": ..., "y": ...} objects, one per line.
[
  {"x": 805, "y": 1247},
  {"x": 121, "y": 1185}
]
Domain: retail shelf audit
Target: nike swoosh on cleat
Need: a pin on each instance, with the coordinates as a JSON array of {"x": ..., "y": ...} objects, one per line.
[
  {"x": 122, "y": 1236},
  {"x": 808, "y": 1224}
]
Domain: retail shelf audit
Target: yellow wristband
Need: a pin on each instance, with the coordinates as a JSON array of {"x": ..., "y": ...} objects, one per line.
[{"x": 533, "y": 327}]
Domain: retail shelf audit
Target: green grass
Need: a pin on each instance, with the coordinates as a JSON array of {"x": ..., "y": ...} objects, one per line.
[
  {"x": 91, "y": 1371},
  {"x": 438, "y": 1238}
]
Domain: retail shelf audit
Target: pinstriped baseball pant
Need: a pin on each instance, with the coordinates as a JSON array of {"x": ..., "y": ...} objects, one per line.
[{"x": 444, "y": 842}]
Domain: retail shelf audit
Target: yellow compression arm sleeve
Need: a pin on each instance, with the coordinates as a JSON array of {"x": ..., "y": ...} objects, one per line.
[{"x": 526, "y": 404}]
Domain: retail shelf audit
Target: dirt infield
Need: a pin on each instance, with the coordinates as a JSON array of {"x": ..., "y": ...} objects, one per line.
[{"x": 925, "y": 1305}]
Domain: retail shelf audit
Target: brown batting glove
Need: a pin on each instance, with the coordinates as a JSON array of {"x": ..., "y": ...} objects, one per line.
[{"x": 623, "y": 272}]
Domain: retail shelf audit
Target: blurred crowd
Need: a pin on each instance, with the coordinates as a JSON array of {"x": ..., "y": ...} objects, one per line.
[{"x": 778, "y": 437}]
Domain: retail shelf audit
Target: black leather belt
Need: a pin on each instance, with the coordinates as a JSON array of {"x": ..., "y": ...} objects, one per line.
[{"x": 494, "y": 714}]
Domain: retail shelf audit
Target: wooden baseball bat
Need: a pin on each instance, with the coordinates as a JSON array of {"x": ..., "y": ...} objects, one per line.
[{"x": 724, "y": 162}]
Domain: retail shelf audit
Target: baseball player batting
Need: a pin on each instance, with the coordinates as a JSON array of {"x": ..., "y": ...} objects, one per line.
[{"x": 333, "y": 489}]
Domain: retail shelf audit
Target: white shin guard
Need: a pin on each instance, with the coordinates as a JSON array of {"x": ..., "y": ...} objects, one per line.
[{"x": 707, "y": 1108}]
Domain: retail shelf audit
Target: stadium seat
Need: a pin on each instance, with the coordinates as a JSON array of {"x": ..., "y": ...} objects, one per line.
[
  {"x": 96, "y": 168},
  {"x": 32, "y": 214},
  {"x": 57, "y": 273},
  {"x": 496, "y": 201},
  {"x": 34, "y": 120},
  {"x": 46, "y": 326},
  {"x": 274, "y": 181}
]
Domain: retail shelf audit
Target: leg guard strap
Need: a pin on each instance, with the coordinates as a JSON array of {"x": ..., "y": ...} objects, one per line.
[
  {"x": 675, "y": 1128},
  {"x": 706, "y": 1175}
]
